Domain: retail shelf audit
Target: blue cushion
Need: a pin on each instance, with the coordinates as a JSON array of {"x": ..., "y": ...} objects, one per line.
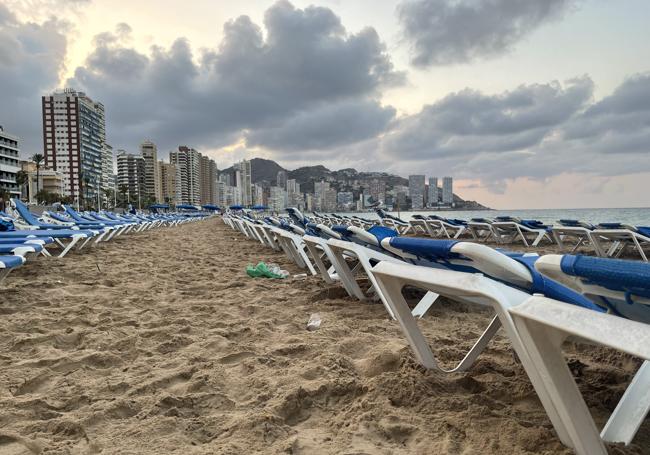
[
  {"x": 11, "y": 261},
  {"x": 381, "y": 232},
  {"x": 644, "y": 230},
  {"x": 610, "y": 226},
  {"x": 433, "y": 250},
  {"x": 615, "y": 274},
  {"x": 552, "y": 289}
]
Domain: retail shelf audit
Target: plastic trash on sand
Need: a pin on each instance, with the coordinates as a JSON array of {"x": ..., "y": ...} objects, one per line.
[
  {"x": 266, "y": 271},
  {"x": 314, "y": 322}
]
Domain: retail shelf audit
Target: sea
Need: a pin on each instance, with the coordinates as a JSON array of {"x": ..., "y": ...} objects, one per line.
[{"x": 633, "y": 216}]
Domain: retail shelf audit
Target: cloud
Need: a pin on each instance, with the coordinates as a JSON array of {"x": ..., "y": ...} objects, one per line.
[
  {"x": 535, "y": 131},
  {"x": 31, "y": 59},
  {"x": 442, "y": 32},
  {"x": 331, "y": 125},
  {"x": 303, "y": 67}
]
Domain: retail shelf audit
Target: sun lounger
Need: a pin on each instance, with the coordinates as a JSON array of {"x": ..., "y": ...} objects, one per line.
[
  {"x": 530, "y": 232},
  {"x": 577, "y": 231},
  {"x": 482, "y": 230},
  {"x": 464, "y": 287},
  {"x": 9, "y": 263},
  {"x": 615, "y": 238},
  {"x": 393, "y": 222},
  {"x": 445, "y": 227},
  {"x": 543, "y": 325}
]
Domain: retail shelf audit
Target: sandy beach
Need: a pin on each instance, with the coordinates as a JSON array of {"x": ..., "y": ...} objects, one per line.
[{"x": 159, "y": 343}]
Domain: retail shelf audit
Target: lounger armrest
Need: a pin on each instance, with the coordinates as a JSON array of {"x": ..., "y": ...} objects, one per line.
[{"x": 622, "y": 334}]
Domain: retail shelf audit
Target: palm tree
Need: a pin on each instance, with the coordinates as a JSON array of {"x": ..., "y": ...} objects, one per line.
[
  {"x": 38, "y": 158},
  {"x": 21, "y": 178}
]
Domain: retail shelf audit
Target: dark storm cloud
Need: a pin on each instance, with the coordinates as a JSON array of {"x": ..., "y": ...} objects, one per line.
[
  {"x": 442, "y": 32},
  {"x": 533, "y": 131},
  {"x": 332, "y": 125},
  {"x": 31, "y": 58},
  {"x": 306, "y": 68},
  {"x": 470, "y": 122}
]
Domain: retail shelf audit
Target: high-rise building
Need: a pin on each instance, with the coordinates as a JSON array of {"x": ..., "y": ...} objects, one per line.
[
  {"x": 277, "y": 199},
  {"x": 281, "y": 179},
  {"x": 9, "y": 166},
  {"x": 377, "y": 189},
  {"x": 328, "y": 200},
  {"x": 168, "y": 185},
  {"x": 208, "y": 180},
  {"x": 293, "y": 194},
  {"x": 108, "y": 169},
  {"x": 188, "y": 164},
  {"x": 434, "y": 191},
  {"x": 74, "y": 134},
  {"x": 447, "y": 190},
  {"x": 131, "y": 176},
  {"x": 152, "y": 188},
  {"x": 243, "y": 181},
  {"x": 416, "y": 191}
]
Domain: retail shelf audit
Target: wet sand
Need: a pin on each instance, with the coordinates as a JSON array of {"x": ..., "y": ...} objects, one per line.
[{"x": 160, "y": 343}]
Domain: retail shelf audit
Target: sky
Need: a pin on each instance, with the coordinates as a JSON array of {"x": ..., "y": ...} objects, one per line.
[{"x": 527, "y": 104}]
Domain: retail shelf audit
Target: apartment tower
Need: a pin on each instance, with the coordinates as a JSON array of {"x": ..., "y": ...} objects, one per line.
[
  {"x": 74, "y": 135},
  {"x": 9, "y": 166}
]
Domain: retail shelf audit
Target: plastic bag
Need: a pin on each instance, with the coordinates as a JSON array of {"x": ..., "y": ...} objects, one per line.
[{"x": 263, "y": 270}]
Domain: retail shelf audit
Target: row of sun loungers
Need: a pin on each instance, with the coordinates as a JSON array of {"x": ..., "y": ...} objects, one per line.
[
  {"x": 538, "y": 300},
  {"x": 602, "y": 240},
  {"x": 24, "y": 235}
]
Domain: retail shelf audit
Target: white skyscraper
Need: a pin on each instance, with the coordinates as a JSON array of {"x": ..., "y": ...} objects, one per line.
[
  {"x": 433, "y": 191},
  {"x": 447, "y": 190},
  {"x": 416, "y": 191},
  {"x": 188, "y": 164},
  {"x": 244, "y": 183}
]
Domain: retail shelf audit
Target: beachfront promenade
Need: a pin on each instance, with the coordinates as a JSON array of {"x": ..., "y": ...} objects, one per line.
[{"x": 160, "y": 343}]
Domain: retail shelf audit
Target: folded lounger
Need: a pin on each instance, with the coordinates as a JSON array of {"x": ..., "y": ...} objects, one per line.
[
  {"x": 8, "y": 263},
  {"x": 616, "y": 238}
]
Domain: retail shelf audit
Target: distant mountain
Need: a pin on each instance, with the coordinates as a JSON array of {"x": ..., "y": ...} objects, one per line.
[{"x": 261, "y": 169}]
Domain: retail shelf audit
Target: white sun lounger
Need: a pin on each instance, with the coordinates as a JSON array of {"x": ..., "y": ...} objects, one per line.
[{"x": 543, "y": 325}]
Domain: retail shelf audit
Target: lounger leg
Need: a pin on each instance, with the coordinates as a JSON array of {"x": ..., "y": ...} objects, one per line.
[
  {"x": 3, "y": 274},
  {"x": 631, "y": 410},
  {"x": 72, "y": 243},
  {"x": 544, "y": 347},
  {"x": 423, "y": 305}
]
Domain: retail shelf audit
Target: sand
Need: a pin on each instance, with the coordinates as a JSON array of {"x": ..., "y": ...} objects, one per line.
[{"x": 159, "y": 343}]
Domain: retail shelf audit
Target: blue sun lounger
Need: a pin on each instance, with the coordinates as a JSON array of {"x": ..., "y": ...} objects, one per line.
[{"x": 9, "y": 263}]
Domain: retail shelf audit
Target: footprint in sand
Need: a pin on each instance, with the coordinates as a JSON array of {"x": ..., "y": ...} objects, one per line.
[{"x": 236, "y": 357}]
